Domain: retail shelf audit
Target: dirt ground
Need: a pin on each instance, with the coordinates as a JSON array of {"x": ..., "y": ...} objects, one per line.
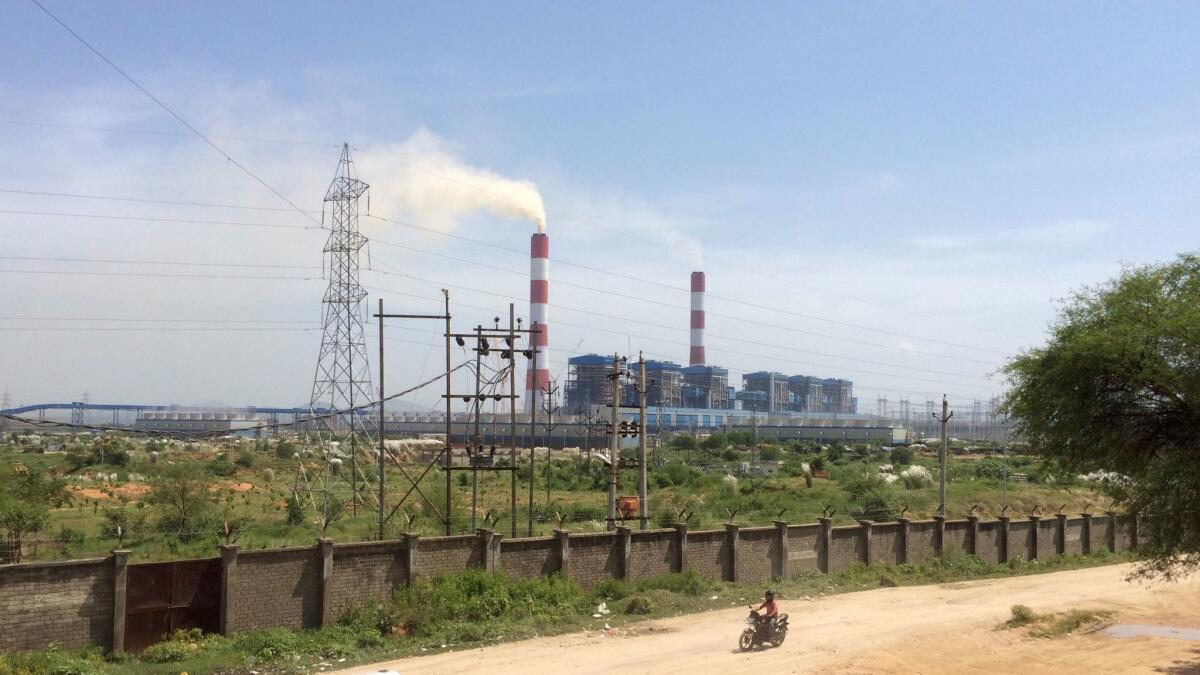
[{"x": 950, "y": 628}]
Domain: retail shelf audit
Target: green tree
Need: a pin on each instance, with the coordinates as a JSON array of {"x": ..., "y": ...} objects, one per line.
[
  {"x": 1117, "y": 388},
  {"x": 183, "y": 502},
  {"x": 902, "y": 455}
]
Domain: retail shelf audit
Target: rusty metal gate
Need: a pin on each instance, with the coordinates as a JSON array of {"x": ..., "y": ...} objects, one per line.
[{"x": 165, "y": 597}]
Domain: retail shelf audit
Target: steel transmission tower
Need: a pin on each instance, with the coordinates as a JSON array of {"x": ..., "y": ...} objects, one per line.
[{"x": 343, "y": 376}]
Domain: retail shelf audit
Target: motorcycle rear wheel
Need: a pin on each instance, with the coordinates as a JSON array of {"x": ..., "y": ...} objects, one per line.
[
  {"x": 777, "y": 638},
  {"x": 747, "y": 639}
]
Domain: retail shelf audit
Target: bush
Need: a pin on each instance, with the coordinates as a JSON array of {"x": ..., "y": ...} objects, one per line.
[
  {"x": 902, "y": 455},
  {"x": 245, "y": 460},
  {"x": 916, "y": 477},
  {"x": 295, "y": 511},
  {"x": 611, "y": 589},
  {"x": 769, "y": 453},
  {"x": 991, "y": 468},
  {"x": 167, "y": 652},
  {"x": 285, "y": 450},
  {"x": 221, "y": 466},
  {"x": 687, "y": 582},
  {"x": 1021, "y": 615},
  {"x": 639, "y": 604}
]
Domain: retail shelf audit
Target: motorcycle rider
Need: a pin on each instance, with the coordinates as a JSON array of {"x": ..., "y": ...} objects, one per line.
[{"x": 770, "y": 612}]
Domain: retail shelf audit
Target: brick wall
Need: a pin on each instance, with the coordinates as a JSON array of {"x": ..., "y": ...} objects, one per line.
[
  {"x": 956, "y": 538},
  {"x": 922, "y": 541},
  {"x": 365, "y": 572},
  {"x": 528, "y": 557},
  {"x": 885, "y": 544},
  {"x": 708, "y": 554},
  {"x": 1100, "y": 526},
  {"x": 1124, "y": 530},
  {"x": 845, "y": 547},
  {"x": 758, "y": 547},
  {"x": 652, "y": 553},
  {"x": 69, "y": 604},
  {"x": 803, "y": 547},
  {"x": 442, "y": 555},
  {"x": 1047, "y": 543},
  {"x": 593, "y": 558},
  {"x": 1074, "y": 538},
  {"x": 277, "y": 588},
  {"x": 988, "y": 542},
  {"x": 1020, "y": 540}
]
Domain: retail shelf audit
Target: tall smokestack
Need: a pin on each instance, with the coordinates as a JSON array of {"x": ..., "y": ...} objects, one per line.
[
  {"x": 538, "y": 382},
  {"x": 696, "y": 358}
]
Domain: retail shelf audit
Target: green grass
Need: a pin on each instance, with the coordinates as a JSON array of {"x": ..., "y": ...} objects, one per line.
[
  {"x": 1057, "y": 624},
  {"x": 474, "y": 608}
]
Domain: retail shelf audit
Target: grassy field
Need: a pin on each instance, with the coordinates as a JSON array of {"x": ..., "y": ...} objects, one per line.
[
  {"x": 475, "y": 608},
  {"x": 193, "y": 496}
]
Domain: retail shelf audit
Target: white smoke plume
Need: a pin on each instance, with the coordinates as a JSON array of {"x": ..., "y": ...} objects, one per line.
[{"x": 424, "y": 181}]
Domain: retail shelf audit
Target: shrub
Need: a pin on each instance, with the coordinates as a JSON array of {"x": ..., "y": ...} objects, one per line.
[
  {"x": 991, "y": 468},
  {"x": 295, "y": 511},
  {"x": 1021, "y": 615},
  {"x": 167, "y": 652},
  {"x": 902, "y": 455},
  {"x": 245, "y": 460},
  {"x": 769, "y": 453},
  {"x": 687, "y": 582},
  {"x": 611, "y": 589},
  {"x": 284, "y": 450},
  {"x": 916, "y": 477},
  {"x": 221, "y": 466},
  {"x": 639, "y": 604}
]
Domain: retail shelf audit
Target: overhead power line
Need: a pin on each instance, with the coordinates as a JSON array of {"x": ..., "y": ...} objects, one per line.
[
  {"x": 169, "y": 202},
  {"x": 171, "y": 112},
  {"x": 173, "y": 263},
  {"x": 157, "y": 219}
]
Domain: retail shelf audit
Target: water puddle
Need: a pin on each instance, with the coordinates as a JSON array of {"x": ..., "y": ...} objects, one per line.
[{"x": 1128, "y": 630}]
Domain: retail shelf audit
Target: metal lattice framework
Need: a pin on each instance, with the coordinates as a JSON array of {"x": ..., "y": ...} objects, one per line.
[{"x": 343, "y": 376}]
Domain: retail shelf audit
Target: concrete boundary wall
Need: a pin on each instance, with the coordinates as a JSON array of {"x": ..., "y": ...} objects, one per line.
[{"x": 82, "y": 602}]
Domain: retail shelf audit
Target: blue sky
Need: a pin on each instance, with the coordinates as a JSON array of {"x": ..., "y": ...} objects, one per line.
[{"x": 964, "y": 160}]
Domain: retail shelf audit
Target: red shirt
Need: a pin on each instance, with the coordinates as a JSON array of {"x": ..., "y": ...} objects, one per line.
[{"x": 770, "y": 609}]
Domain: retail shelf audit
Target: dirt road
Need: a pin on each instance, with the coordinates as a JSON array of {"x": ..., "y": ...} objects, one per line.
[{"x": 949, "y": 628}]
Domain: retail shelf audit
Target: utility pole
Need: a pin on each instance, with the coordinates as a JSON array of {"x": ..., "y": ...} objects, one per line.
[
  {"x": 512, "y": 410},
  {"x": 942, "y": 452},
  {"x": 476, "y": 445},
  {"x": 614, "y": 454},
  {"x": 551, "y": 407},
  {"x": 643, "y": 508},
  {"x": 382, "y": 446},
  {"x": 533, "y": 421}
]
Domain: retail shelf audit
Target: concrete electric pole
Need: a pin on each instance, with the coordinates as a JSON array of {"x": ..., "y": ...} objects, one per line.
[
  {"x": 942, "y": 453},
  {"x": 614, "y": 442}
]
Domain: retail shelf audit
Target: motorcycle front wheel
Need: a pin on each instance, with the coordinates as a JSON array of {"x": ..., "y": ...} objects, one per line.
[{"x": 747, "y": 639}]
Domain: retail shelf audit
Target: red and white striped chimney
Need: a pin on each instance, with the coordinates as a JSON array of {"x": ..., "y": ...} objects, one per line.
[
  {"x": 538, "y": 382},
  {"x": 696, "y": 358}
]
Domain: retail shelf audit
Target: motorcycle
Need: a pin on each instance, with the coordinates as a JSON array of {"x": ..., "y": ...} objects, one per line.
[{"x": 757, "y": 628}]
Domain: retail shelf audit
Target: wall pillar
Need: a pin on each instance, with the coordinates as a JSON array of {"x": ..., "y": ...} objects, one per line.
[
  {"x": 1133, "y": 532},
  {"x": 229, "y": 556},
  {"x": 781, "y": 563},
  {"x": 1060, "y": 542},
  {"x": 903, "y": 534},
  {"x": 1033, "y": 533},
  {"x": 624, "y": 541},
  {"x": 731, "y": 537},
  {"x": 120, "y": 561},
  {"x": 325, "y": 550},
  {"x": 865, "y": 534},
  {"x": 1086, "y": 544},
  {"x": 1112, "y": 531},
  {"x": 939, "y": 534},
  {"x": 562, "y": 550},
  {"x": 411, "y": 541},
  {"x": 973, "y": 534},
  {"x": 681, "y": 532},
  {"x": 825, "y": 554},
  {"x": 1002, "y": 554}
]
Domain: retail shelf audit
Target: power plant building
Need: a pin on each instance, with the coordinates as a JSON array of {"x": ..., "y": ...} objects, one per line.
[{"x": 706, "y": 387}]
